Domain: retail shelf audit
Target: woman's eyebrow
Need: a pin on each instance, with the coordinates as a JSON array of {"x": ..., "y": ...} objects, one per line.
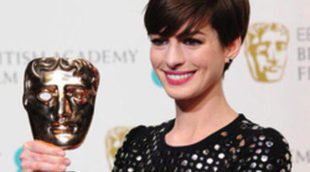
[{"x": 186, "y": 34}]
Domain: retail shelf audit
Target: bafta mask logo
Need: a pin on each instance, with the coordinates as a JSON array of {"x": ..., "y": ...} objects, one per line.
[
  {"x": 114, "y": 140},
  {"x": 59, "y": 97},
  {"x": 266, "y": 51}
]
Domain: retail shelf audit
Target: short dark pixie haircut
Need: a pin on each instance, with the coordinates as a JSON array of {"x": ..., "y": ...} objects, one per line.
[{"x": 229, "y": 18}]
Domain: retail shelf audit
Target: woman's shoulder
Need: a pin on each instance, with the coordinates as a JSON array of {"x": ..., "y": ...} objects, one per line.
[
  {"x": 246, "y": 131},
  {"x": 262, "y": 145},
  {"x": 269, "y": 140},
  {"x": 260, "y": 134}
]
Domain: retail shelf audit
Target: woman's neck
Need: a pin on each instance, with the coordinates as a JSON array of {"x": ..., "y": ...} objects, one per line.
[{"x": 200, "y": 117}]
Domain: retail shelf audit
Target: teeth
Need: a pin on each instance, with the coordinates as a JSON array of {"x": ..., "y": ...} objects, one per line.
[{"x": 179, "y": 77}]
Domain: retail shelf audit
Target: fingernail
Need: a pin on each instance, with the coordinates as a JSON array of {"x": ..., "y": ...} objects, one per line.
[{"x": 67, "y": 161}]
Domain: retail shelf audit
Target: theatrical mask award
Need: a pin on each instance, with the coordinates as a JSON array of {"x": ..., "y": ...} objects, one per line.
[{"x": 59, "y": 97}]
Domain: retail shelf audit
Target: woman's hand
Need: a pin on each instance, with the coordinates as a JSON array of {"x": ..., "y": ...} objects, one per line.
[{"x": 41, "y": 156}]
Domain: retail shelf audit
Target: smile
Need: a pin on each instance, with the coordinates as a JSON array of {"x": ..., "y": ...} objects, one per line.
[{"x": 178, "y": 78}]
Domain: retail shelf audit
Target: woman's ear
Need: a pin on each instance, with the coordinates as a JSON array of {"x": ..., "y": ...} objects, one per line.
[{"x": 232, "y": 50}]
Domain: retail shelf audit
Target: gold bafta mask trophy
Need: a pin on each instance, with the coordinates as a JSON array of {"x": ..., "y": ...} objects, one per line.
[
  {"x": 113, "y": 141},
  {"x": 59, "y": 97},
  {"x": 266, "y": 50}
]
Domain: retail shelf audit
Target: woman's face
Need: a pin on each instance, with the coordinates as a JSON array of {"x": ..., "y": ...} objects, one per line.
[{"x": 189, "y": 65}]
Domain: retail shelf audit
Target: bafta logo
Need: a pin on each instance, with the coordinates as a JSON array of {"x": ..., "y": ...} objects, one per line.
[
  {"x": 114, "y": 140},
  {"x": 266, "y": 47},
  {"x": 59, "y": 97}
]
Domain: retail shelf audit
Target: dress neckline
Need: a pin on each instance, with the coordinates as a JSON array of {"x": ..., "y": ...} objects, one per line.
[{"x": 210, "y": 139}]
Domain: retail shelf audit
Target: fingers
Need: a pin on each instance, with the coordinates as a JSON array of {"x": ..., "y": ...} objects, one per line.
[
  {"x": 41, "y": 157},
  {"x": 38, "y": 155},
  {"x": 30, "y": 166},
  {"x": 43, "y": 148}
]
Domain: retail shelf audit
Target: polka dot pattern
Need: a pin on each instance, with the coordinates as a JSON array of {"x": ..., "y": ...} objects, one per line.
[{"x": 240, "y": 146}]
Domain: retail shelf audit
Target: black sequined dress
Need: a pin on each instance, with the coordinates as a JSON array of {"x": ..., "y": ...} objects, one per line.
[{"x": 239, "y": 146}]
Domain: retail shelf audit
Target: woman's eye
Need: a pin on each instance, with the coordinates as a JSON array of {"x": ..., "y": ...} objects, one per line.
[
  {"x": 159, "y": 41},
  {"x": 192, "y": 42}
]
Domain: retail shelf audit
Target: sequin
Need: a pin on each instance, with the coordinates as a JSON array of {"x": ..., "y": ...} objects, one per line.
[
  {"x": 244, "y": 147},
  {"x": 253, "y": 165},
  {"x": 138, "y": 158},
  {"x": 217, "y": 147},
  {"x": 239, "y": 137},
  {"x": 194, "y": 157},
  {"x": 184, "y": 163},
  {"x": 269, "y": 167},
  {"x": 224, "y": 134},
  {"x": 255, "y": 157},
  {"x": 258, "y": 151},
  {"x": 199, "y": 165},
  {"x": 242, "y": 143},
  {"x": 209, "y": 160},
  {"x": 269, "y": 144},
  {"x": 264, "y": 158},
  {"x": 255, "y": 127},
  {"x": 205, "y": 152},
  {"x": 262, "y": 137},
  {"x": 221, "y": 155},
  {"x": 287, "y": 156},
  {"x": 289, "y": 166}
]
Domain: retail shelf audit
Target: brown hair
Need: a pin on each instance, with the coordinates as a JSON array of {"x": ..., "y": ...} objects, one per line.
[{"x": 229, "y": 18}]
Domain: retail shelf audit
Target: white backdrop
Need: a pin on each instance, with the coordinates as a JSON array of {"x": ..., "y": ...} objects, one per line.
[{"x": 112, "y": 36}]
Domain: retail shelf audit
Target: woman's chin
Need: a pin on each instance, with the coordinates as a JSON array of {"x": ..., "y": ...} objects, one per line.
[{"x": 179, "y": 95}]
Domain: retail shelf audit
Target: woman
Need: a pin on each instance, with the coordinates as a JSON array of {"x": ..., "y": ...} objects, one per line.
[{"x": 193, "y": 44}]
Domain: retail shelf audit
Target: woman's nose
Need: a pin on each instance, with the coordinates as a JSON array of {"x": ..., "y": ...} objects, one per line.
[{"x": 174, "y": 55}]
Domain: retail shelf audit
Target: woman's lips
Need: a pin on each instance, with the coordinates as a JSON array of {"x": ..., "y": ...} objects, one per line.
[{"x": 178, "y": 78}]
